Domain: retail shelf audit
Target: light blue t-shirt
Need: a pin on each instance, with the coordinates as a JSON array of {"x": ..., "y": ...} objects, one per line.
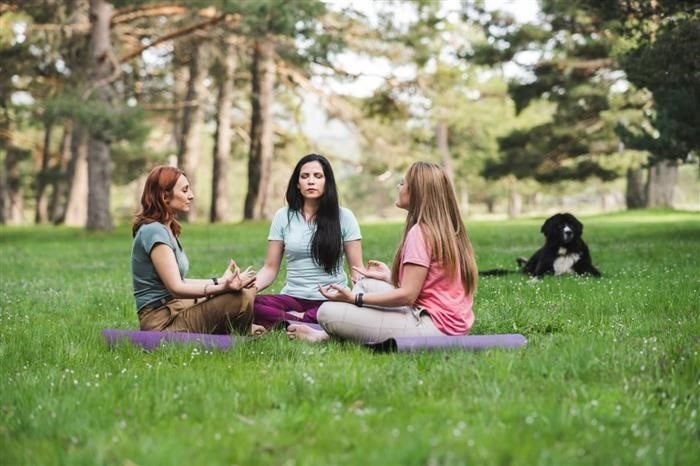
[
  {"x": 148, "y": 286},
  {"x": 303, "y": 274}
]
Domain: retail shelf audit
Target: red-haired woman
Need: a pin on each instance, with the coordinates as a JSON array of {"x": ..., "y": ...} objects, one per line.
[{"x": 165, "y": 299}]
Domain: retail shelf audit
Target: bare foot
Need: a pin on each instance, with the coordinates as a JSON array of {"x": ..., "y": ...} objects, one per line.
[
  {"x": 306, "y": 333},
  {"x": 257, "y": 330}
]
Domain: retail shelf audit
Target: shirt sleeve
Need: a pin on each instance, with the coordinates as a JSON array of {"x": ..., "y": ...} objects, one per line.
[
  {"x": 415, "y": 250},
  {"x": 279, "y": 221},
  {"x": 349, "y": 228},
  {"x": 153, "y": 234}
]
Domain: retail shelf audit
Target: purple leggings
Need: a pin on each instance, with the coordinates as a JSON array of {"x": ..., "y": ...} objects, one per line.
[{"x": 270, "y": 309}]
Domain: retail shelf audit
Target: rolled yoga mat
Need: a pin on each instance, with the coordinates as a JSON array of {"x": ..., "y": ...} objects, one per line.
[
  {"x": 465, "y": 342},
  {"x": 151, "y": 340}
]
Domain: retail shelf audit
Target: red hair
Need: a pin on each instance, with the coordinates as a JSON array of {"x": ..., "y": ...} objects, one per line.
[{"x": 159, "y": 183}]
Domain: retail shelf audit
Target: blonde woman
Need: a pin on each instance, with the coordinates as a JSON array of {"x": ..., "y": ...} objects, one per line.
[{"x": 429, "y": 289}]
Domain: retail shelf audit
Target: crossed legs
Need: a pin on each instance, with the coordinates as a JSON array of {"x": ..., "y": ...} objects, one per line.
[{"x": 366, "y": 324}]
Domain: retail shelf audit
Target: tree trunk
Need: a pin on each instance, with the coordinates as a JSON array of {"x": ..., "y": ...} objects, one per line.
[
  {"x": 180, "y": 78},
  {"x": 515, "y": 199},
  {"x": 42, "y": 179},
  {"x": 77, "y": 176},
  {"x": 69, "y": 197},
  {"x": 99, "y": 173},
  {"x": 219, "y": 211},
  {"x": 193, "y": 121},
  {"x": 635, "y": 193},
  {"x": 5, "y": 145},
  {"x": 13, "y": 185},
  {"x": 464, "y": 201},
  {"x": 515, "y": 204},
  {"x": 261, "y": 140},
  {"x": 99, "y": 156},
  {"x": 443, "y": 147},
  {"x": 3, "y": 188},
  {"x": 59, "y": 196},
  {"x": 661, "y": 183}
]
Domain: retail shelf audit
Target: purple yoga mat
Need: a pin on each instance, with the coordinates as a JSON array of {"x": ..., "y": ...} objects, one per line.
[
  {"x": 152, "y": 340},
  {"x": 467, "y": 342}
]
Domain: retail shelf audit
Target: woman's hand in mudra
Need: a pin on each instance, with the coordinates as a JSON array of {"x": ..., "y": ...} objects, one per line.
[
  {"x": 239, "y": 280},
  {"x": 335, "y": 292},
  {"x": 231, "y": 271},
  {"x": 375, "y": 269}
]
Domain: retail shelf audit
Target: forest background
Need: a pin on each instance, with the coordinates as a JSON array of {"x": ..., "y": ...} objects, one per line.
[{"x": 586, "y": 105}]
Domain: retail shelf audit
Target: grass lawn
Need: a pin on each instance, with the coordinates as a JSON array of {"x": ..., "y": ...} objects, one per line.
[{"x": 611, "y": 373}]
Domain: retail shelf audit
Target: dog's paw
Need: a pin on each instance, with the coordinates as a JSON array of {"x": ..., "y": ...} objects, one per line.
[{"x": 521, "y": 261}]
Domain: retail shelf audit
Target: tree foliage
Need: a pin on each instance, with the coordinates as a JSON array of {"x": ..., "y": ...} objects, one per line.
[
  {"x": 576, "y": 74},
  {"x": 661, "y": 53}
]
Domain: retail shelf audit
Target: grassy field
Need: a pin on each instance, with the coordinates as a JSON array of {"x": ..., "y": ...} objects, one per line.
[{"x": 611, "y": 373}]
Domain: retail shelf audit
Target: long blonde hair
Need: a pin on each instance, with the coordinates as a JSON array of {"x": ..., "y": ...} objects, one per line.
[{"x": 433, "y": 206}]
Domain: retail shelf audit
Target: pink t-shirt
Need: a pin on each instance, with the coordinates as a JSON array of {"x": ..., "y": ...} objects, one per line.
[{"x": 445, "y": 300}]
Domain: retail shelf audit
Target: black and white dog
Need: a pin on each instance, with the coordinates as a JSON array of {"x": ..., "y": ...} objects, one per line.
[{"x": 563, "y": 252}]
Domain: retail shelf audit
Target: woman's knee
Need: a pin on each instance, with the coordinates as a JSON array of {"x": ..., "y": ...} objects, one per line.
[
  {"x": 237, "y": 302},
  {"x": 330, "y": 312}
]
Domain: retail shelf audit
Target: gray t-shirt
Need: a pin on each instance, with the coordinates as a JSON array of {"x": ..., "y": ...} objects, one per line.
[
  {"x": 303, "y": 274},
  {"x": 148, "y": 286}
]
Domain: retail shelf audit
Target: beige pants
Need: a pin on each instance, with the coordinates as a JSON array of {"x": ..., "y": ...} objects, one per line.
[
  {"x": 220, "y": 314},
  {"x": 373, "y": 323}
]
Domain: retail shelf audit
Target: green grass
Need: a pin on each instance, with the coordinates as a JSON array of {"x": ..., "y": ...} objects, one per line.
[{"x": 611, "y": 373}]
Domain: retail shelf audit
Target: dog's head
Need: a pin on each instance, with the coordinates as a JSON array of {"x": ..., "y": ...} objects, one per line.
[{"x": 562, "y": 228}]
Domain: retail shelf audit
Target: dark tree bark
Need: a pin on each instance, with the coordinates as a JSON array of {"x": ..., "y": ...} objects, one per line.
[
  {"x": 219, "y": 211},
  {"x": 3, "y": 191},
  {"x": 193, "y": 120},
  {"x": 4, "y": 149},
  {"x": 261, "y": 136},
  {"x": 180, "y": 76},
  {"x": 99, "y": 174},
  {"x": 59, "y": 196},
  {"x": 99, "y": 152},
  {"x": 43, "y": 178},
  {"x": 13, "y": 186},
  {"x": 635, "y": 193}
]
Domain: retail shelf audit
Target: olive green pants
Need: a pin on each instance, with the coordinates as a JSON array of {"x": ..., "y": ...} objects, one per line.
[{"x": 221, "y": 314}]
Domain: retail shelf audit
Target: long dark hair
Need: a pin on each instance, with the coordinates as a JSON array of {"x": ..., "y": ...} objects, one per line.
[
  {"x": 161, "y": 180},
  {"x": 326, "y": 244}
]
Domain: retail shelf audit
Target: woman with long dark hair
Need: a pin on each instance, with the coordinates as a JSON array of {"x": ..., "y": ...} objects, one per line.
[
  {"x": 165, "y": 299},
  {"x": 314, "y": 234},
  {"x": 429, "y": 289}
]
